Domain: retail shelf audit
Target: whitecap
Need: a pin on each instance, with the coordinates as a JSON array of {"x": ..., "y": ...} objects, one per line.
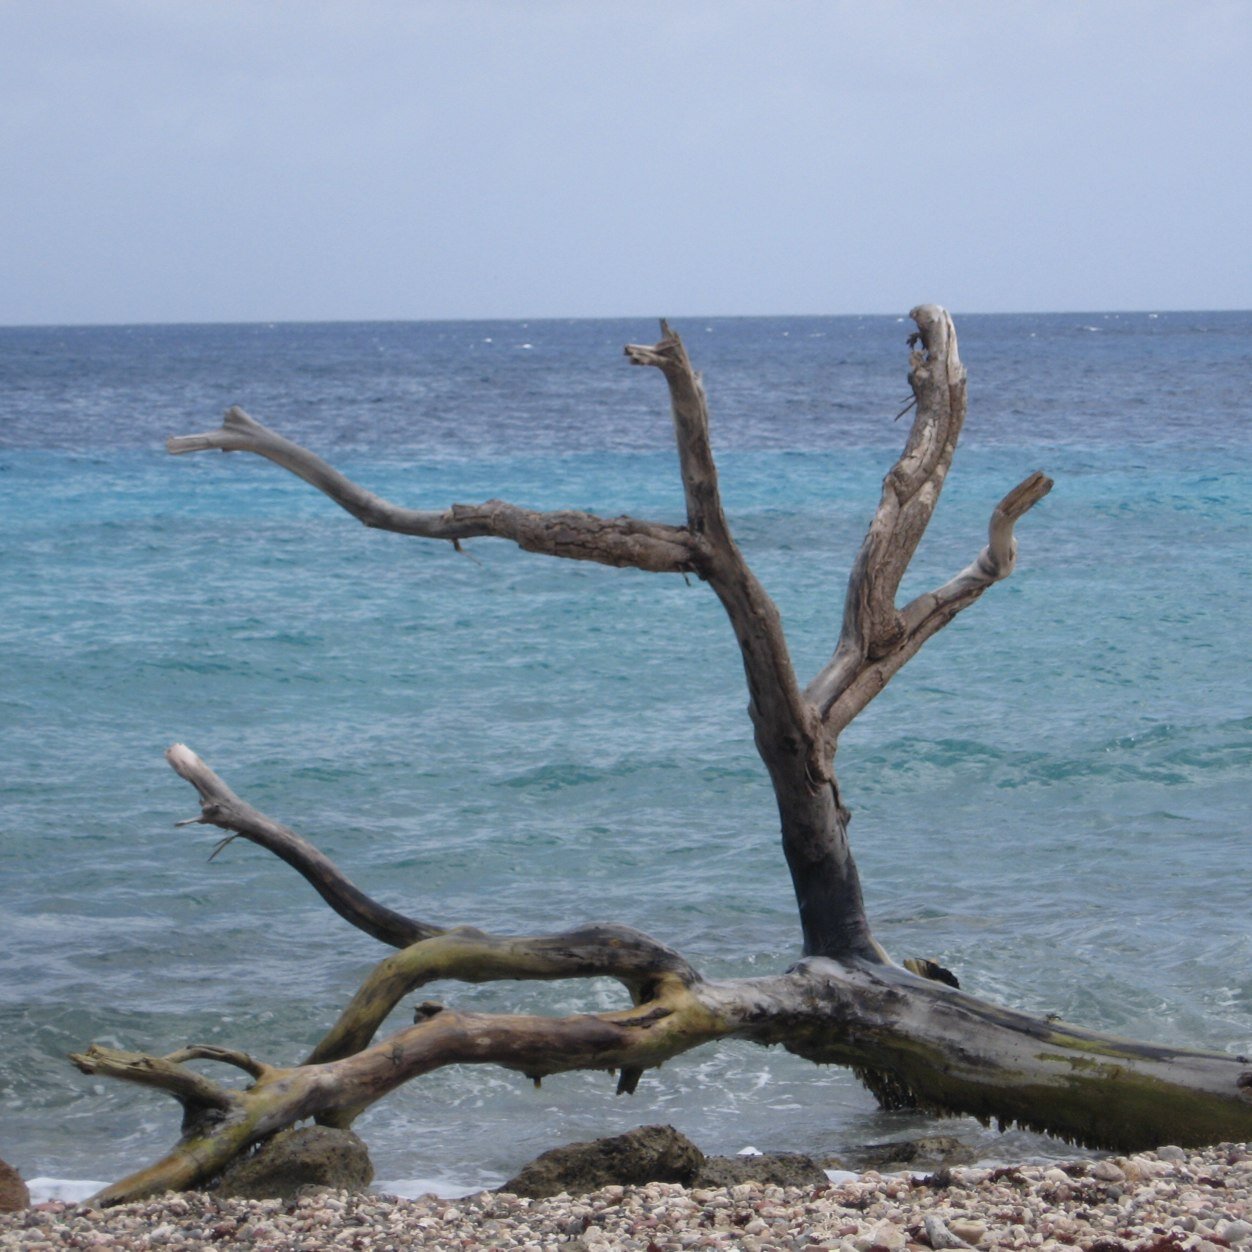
[
  {"x": 70, "y": 1190},
  {"x": 842, "y": 1175}
]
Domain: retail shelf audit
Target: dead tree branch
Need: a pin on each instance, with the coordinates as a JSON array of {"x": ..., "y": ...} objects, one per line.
[
  {"x": 621, "y": 541},
  {"x": 877, "y": 638},
  {"x": 221, "y": 807},
  {"x": 913, "y": 1040}
]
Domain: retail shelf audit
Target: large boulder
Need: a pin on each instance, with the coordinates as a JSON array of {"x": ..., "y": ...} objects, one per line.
[
  {"x": 13, "y": 1192},
  {"x": 655, "y": 1154},
  {"x": 318, "y": 1156},
  {"x": 649, "y": 1154},
  {"x": 782, "y": 1169}
]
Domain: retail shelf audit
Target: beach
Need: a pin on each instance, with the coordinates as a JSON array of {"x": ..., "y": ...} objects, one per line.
[{"x": 1163, "y": 1201}]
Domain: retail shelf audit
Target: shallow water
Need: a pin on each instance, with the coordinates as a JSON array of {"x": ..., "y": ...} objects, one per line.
[{"x": 1051, "y": 799}]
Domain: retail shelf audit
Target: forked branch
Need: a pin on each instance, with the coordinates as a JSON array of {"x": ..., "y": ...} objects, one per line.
[
  {"x": 429, "y": 952},
  {"x": 932, "y": 611},
  {"x": 629, "y": 1039},
  {"x": 193, "y": 1091},
  {"x": 877, "y": 638},
  {"x": 226, "y": 1056},
  {"x": 690, "y": 410}
]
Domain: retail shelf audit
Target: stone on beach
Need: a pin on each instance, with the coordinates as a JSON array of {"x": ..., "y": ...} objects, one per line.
[
  {"x": 13, "y": 1193},
  {"x": 318, "y": 1156},
  {"x": 782, "y": 1169},
  {"x": 1199, "y": 1203},
  {"x": 648, "y": 1154},
  {"x": 655, "y": 1154}
]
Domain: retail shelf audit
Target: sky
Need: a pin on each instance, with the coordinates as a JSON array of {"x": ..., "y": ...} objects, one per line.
[{"x": 275, "y": 160}]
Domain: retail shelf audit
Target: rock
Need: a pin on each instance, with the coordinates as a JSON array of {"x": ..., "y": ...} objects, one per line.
[
  {"x": 1106, "y": 1171},
  {"x": 782, "y": 1169},
  {"x": 649, "y": 1154},
  {"x": 885, "y": 1235},
  {"x": 1171, "y": 1152},
  {"x": 13, "y": 1193},
  {"x": 928, "y": 1152},
  {"x": 967, "y": 1228},
  {"x": 1236, "y": 1232},
  {"x": 317, "y": 1156},
  {"x": 939, "y": 1235}
]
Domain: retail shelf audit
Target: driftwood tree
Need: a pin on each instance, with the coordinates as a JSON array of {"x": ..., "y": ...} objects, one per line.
[{"x": 913, "y": 1038}]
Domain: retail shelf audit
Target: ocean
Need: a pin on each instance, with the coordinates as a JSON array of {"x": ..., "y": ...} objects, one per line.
[{"x": 1051, "y": 799}]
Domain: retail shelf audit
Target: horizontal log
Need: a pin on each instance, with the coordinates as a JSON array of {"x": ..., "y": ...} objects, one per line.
[{"x": 914, "y": 1041}]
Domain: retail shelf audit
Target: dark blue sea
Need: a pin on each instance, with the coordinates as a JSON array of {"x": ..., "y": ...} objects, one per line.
[{"x": 1052, "y": 799}]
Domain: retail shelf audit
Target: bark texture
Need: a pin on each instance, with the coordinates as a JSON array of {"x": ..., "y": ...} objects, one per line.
[{"x": 910, "y": 1035}]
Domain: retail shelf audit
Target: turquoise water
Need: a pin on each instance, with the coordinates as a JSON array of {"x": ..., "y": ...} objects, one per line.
[{"x": 1051, "y": 799}]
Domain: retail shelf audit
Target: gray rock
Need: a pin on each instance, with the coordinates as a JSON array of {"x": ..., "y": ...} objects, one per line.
[
  {"x": 939, "y": 1235},
  {"x": 13, "y": 1193},
  {"x": 318, "y": 1156},
  {"x": 1106, "y": 1171},
  {"x": 928, "y": 1152},
  {"x": 1236, "y": 1232},
  {"x": 649, "y": 1154},
  {"x": 782, "y": 1169}
]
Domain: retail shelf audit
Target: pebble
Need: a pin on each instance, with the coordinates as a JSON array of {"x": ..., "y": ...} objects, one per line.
[
  {"x": 1106, "y": 1171},
  {"x": 1170, "y": 1199},
  {"x": 967, "y": 1229}
]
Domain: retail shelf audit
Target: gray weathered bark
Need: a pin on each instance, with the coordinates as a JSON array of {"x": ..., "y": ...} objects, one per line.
[{"x": 912, "y": 1038}]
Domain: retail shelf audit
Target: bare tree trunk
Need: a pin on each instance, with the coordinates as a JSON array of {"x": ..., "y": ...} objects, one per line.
[{"x": 913, "y": 1039}]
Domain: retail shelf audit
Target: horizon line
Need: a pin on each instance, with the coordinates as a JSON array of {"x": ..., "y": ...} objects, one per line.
[{"x": 617, "y": 317}]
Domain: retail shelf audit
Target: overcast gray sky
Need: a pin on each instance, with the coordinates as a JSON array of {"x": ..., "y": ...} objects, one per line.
[{"x": 216, "y": 160}]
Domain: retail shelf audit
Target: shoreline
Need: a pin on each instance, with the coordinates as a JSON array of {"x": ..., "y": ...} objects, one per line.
[{"x": 1169, "y": 1200}]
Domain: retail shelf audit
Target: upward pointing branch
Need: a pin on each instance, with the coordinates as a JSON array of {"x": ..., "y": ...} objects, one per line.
[
  {"x": 877, "y": 638},
  {"x": 691, "y": 431},
  {"x": 779, "y": 710},
  {"x": 789, "y": 734}
]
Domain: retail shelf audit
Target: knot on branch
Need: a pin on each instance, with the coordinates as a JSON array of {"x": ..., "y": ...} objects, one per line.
[
  {"x": 937, "y": 336},
  {"x": 887, "y": 636},
  {"x": 925, "y": 967}
]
